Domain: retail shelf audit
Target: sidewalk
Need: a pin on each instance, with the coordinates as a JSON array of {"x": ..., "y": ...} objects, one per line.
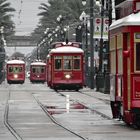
[
  {"x": 101, "y": 102},
  {"x": 97, "y": 94}
]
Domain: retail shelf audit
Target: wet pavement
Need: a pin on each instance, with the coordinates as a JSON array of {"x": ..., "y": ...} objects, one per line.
[
  {"x": 4, "y": 132},
  {"x": 27, "y": 118},
  {"x": 86, "y": 113}
]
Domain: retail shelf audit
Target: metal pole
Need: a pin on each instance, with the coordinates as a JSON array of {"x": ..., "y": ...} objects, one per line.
[
  {"x": 100, "y": 75},
  {"x": 37, "y": 53},
  {"x": 86, "y": 56},
  {"x": 91, "y": 45},
  {"x": 101, "y": 39}
]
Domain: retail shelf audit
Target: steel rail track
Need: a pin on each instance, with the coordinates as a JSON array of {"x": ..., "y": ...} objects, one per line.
[
  {"x": 91, "y": 109},
  {"x": 6, "y": 123},
  {"x": 56, "y": 122},
  {"x": 105, "y": 101}
]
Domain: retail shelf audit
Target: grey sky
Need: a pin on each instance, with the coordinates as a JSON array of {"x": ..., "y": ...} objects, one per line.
[
  {"x": 25, "y": 16},
  {"x": 25, "y": 19}
]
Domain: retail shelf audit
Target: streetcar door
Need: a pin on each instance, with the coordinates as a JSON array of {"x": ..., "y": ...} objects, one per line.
[
  {"x": 126, "y": 72},
  {"x": 136, "y": 76}
]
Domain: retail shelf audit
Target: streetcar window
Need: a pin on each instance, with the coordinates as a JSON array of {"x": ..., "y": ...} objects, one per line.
[
  {"x": 67, "y": 62},
  {"x": 137, "y": 56},
  {"x": 33, "y": 70},
  {"x": 20, "y": 69},
  {"x": 42, "y": 70},
  {"x": 58, "y": 62},
  {"x": 10, "y": 69},
  {"x": 15, "y": 69},
  {"x": 76, "y": 62},
  {"x": 38, "y": 69}
]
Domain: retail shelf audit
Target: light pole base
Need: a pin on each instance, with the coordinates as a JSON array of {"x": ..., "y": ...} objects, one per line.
[
  {"x": 107, "y": 83},
  {"x": 100, "y": 81}
]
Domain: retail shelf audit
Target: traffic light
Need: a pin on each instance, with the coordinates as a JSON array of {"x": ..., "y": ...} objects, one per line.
[
  {"x": 105, "y": 50},
  {"x": 79, "y": 33}
]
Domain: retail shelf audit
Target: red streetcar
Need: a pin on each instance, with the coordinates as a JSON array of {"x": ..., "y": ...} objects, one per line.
[
  {"x": 65, "y": 68},
  {"x": 38, "y": 72},
  {"x": 15, "y": 71},
  {"x": 125, "y": 68}
]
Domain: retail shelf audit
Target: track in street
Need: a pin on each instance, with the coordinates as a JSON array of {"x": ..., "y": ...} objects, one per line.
[
  {"x": 58, "y": 110},
  {"x": 79, "y": 102},
  {"x": 56, "y": 122},
  {"x": 7, "y": 124},
  {"x": 85, "y": 116},
  {"x": 13, "y": 130}
]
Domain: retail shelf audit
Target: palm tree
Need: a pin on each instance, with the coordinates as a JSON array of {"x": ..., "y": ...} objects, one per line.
[
  {"x": 54, "y": 8},
  {"x": 69, "y": 9},
  {"x": 5, "y": 16}
]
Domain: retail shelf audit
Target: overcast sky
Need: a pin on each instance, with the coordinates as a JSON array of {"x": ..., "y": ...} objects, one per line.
[
  {"x": 25, "y": 19},
  {"x": 25, "y": 16}
]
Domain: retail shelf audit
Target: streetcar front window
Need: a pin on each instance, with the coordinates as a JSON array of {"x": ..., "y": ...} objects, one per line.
[
  {"x": 42, "y": 70},
  {"x": 10, "y": 69},
  {"x": 38, "y": 69},
  {"x": 58, "y": 62},
  {"x": 15, "y": 69},
  {"x": 33, "y": 70},
  {"x": 67, "y": 62}
]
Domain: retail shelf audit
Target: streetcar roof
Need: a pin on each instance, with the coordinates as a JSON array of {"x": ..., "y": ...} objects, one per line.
[
  {"x": 38, "y": 63},
  {"x": 15, "y": 62},
  {"x": 67, "y": 49},
  {"x": 131, "y": 20}
]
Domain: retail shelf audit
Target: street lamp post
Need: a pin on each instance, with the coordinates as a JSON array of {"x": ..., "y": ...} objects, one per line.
[
  {"x": 59, "y": 20},
  {"x": 84, "y": 19},
  {"x": 100, "y": 79},
  {"x": 101, "y": 39},
  {"x": 2, "y": 53},
  {"x": 63, "y": 34},
  {"x": 2, "y": 40},
  {"x": 111, "y": 16},
  {"x": 92, "y": 68},
  {"x": 86, "y": 53}
]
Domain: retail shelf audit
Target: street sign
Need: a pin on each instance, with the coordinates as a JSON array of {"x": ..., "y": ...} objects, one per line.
[
  {"x": 97, "y": 29},
  {"x": 105, "y": 29}
]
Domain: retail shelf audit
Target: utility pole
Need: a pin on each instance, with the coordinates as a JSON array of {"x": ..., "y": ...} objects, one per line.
[{"x": 92, "y": 69}]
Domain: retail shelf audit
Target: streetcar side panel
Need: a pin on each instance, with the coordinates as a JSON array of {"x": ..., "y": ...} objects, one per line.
[{"x": 125, "y": 67}]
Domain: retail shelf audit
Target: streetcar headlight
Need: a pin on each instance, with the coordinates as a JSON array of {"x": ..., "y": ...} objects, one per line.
[
  {"x": 15, "y": 76},
  {"x": 67, "y": 76}
]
